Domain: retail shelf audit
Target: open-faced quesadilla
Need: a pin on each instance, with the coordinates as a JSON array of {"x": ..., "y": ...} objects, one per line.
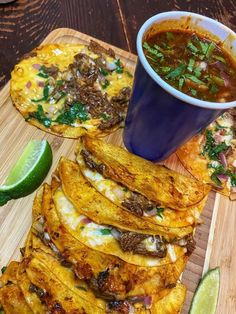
[
  {"x": 211, "y": 155},
  {"x": 72, "y": 89}
]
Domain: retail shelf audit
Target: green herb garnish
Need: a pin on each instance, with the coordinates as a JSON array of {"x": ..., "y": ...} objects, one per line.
[
  {"x": 103, "y": 71},
  {"x": 77, "y": 111},
  {"x": 181, "y": 82},
  {"x": 3, "y": 269},
  {"x": 119, "y": 67},
  {"x": 59, "y": 82},
  {"x": 192, "y": 47},
  {"x": 190, "y": 65},
  {"x": 45, "y": 94},
  {"x": 213, "y": 89},
  {"x": 194, "y": 79},
  {"x": 105, "y": 84},
  {"x": 105, "y": 231},
  {"x": 160, "y": 211},
  {"x": 219, "y": 58},
  {"x": 42, "y": 72},
  {"x": 176, "y": 72},
  {"x": 152, "y": 51},
  {"x": 193, "y": 91},
  {"x": 105, "y": 116},
  {"x": 211, "y": 48},
  {"x": 41, "y": 117}
]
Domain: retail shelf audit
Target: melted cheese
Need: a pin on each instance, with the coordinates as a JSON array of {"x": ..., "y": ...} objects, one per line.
[{"x": 99, "y": 237}]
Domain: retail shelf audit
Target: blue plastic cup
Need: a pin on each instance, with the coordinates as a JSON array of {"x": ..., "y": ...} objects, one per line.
[{"x": 160, "y": 118}]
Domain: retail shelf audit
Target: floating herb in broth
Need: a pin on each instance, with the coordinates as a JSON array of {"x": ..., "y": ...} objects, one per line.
[{"x": 192, "y": 64}]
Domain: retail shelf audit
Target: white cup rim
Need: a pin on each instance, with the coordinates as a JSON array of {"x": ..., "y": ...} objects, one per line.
[{"x": 171, "y": 90}]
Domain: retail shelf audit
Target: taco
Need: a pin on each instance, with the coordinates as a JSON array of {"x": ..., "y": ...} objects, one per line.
[
  {"x": 156, "y": 183},
  {"x": 211, "y": 155},
  {"x": 72, "y": 89}
]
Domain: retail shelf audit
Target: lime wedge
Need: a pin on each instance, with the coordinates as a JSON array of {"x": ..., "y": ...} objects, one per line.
[
  {"x": 206, "y": 295},
  {"x": 29, "y": 171}
]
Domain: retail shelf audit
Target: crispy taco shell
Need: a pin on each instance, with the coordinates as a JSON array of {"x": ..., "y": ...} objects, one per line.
[
  {"x": 125, "y": 279},
  {"x": 88, "y": 201}
]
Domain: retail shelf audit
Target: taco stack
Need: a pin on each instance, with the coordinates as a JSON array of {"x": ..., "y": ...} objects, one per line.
[{"x": 112, "y": 233}]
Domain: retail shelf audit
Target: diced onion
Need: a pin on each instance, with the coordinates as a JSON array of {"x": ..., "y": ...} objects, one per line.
[
  {"x": 223, "y": 159},
  {"x": 36, "y": 66},
  {"x": 115, "y": 233},
  {"x": 28, "y": 84},
  {"x": 111, "y": 66}
]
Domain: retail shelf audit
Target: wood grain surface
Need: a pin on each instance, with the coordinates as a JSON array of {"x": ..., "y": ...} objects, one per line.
[
  {"x": 25, "y": 23},
  {"x": 15, "y": 217}
]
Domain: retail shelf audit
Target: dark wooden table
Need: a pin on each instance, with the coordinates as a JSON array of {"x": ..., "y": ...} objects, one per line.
[{"x": 25, "y": 23}]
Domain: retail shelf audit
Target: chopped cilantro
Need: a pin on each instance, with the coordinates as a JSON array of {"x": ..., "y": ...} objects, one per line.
[
  {"x": 210, "y": 49},
  {"x": 213, "y": 89},
  {"x": 181, "y": 82},
  {"x": 165, "y": 69},
  {"x": 218, "y": 80},
  {"x": 42, "y": 72},
  {"x": 3, "y": 269},
  {"x": 193, "y": 91},
  {"x": 176, "y": 72},
  {"x": 160, "y": 211},
  {"x": 45, "y": 94},
  {"x": 105, "y": 84},
  {"x": 194, "y": 79},
  {"x": 41, "y": 117},
  {"x": 77, "y": 111},
  {"x": 193, "y": 48},
  {"x": 152, "y": 51},
  {"x": 103, "y": 71},
  {"x": 211, "y": 148},
  {"x": 59, "y": 82},
  {"x": 219, "y": 58},
  {"x": 190, "y": 65},
  {"x": 197, "y": 71},
  {"x": 125, "y": 189},
  {"x": 105, "y": 231},
  {"x": 119, "y": 67},
  {"x": 105, "y": 116}
]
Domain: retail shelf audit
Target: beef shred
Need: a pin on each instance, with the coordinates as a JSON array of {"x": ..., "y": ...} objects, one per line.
[{"x": 133, "y": 242}]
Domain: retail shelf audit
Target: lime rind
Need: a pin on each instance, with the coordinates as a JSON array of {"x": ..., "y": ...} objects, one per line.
[
  {"x": 24, "y": 165},
  {"x": 29, "y": 172},
  {"x": 206, "y": 295}
]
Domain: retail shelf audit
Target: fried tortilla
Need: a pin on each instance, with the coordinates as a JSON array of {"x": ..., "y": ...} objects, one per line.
[
  {"x": 107, "y": 275},
  {"x": 28, "y": 291},
  {"x": 134, "y": 202},
  {"x": 11, "y": 298},
  {"x": 89, "y": 202},
  {"x": 211, "y": 156},
  {"x": 157, "y": 183},
  {"x": 72, "y": 89},
  {"x": 101, "y": 238},
  {"x": 54, "y": 293}
]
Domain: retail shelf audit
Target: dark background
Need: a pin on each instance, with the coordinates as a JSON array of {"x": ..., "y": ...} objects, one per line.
[{"x": 25, "y": 23}]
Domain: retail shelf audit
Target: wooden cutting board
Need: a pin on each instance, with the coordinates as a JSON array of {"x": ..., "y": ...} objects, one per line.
[{"x": 216, "y": 237}]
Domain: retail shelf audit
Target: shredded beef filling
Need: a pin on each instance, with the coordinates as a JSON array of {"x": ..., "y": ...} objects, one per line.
[
  {"x": 188, "y": 242},
  {"x": 40, "y": 292},
  {"x": 138, "y": 204},
  {"x": 134, "y": 242},
  {"x": 91, "y": 163},
  {"x": 118, "y": 307},
  {"x": 98, "y": 49}
]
